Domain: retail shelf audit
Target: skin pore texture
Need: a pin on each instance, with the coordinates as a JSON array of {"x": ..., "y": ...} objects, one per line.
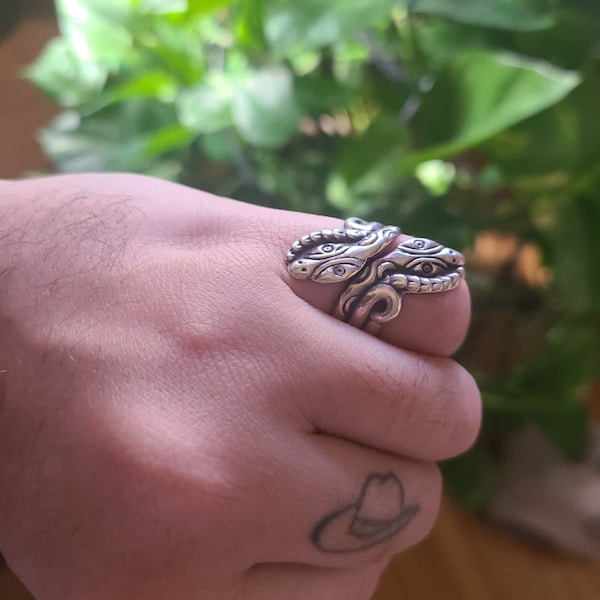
[{"x": 179, "y": 418}]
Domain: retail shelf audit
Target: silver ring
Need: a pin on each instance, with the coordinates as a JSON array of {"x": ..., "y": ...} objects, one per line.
[{"x": 377, "y": 269}]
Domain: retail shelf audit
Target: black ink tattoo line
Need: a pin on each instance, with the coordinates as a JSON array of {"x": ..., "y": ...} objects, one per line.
[{"x": 357, "y": 526}]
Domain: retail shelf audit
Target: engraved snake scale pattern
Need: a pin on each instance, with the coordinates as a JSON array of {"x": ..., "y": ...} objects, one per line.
[{"x": 376, "y": 280}]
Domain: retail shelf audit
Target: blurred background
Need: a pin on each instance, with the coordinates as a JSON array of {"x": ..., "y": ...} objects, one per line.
[{"x": 474, "y": 123}]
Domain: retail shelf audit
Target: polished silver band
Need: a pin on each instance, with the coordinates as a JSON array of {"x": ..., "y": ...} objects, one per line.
[{"x": 378, "y": 270}]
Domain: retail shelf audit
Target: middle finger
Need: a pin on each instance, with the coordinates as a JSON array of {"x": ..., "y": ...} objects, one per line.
[{"x": 358, "y": 388}]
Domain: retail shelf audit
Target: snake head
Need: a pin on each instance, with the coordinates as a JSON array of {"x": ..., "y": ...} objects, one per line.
[
  {"x": 337, "y": 255},
  {"x": 426, "y": 258}
]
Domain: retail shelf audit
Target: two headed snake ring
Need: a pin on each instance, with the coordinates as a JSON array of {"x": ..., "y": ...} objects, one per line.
[{"x": 378, "y": 270}]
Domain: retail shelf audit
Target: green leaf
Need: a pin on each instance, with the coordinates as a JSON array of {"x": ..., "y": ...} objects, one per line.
[
  {"x": 221, "y": 146},
  {"x": 589, "y": 8},
  {"x": 569, "y": 44},
  {"x": 75, "y": 146},
  {"x": 174, "y": 137},
  {"x": 437, "y": 176},
  {"x": 549, "y": 389},
  {"x": 565, "y": 137},
  {"x": 309, "y": 24},
  {"x": 61, "y": 74},
  {"x": 265, "y": 111},
  {"x": 131, "y": 136},
  {"x": 206, "y": 108},
  {"x": 442, "y": 41},
  {"x": 203, "y": 7},
  {"x": 516, "y": 15},
  {"x": 249, "y": 24},
  {"x": 162, "y": 7},
  {"x": 577, "y": 268},
  {"x": 384, "y": 139},
  {"x": 149, "y": 84},
  {"x": 481, "y": 94},
  {"x": 97, "y": 29},
  {"x": 172, "y": 48},
  {"x": 319, "y": 95}
]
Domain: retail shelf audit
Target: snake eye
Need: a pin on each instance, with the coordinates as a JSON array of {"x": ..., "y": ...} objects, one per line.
[
  {"x": 419, "y": 244},
  {"x": 339, "y": 270},
  {"x": 427, "y": 268},
  {"x": 327, "y": 248}
]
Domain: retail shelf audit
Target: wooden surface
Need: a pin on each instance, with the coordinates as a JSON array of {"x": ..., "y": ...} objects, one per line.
[{"x": 463, "y": 559}]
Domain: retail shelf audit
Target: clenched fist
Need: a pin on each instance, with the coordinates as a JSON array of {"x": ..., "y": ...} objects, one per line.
[{"x": 179, "y": 418}]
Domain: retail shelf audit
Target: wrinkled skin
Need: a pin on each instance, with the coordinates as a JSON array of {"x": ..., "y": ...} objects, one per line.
[{"x": 178, "y": 414}]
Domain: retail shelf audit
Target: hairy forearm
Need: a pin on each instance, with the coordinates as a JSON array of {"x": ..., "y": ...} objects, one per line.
[
  {"x": 54, "y": 243},
  {"x": 10, "y": 212}
]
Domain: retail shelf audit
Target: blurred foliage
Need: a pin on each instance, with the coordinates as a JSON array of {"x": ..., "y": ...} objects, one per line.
[{"x": 449, "y": 117}]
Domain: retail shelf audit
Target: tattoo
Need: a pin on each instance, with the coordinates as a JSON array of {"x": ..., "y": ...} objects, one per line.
[{"x": 376, "y": 516}]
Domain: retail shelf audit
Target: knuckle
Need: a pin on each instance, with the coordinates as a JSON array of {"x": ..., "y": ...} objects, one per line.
[
  {"x": 447, "y": 409},
  {"x": 454, "y": 412},
  {"x": 468, "y": 411},
  {"x": 455, "y": 328}
]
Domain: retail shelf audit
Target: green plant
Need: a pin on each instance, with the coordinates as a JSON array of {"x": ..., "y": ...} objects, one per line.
[{"x": 449, "y": 117}]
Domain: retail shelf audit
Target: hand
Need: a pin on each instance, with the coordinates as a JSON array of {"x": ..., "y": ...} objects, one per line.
[{"x": 181, "y": 419}]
